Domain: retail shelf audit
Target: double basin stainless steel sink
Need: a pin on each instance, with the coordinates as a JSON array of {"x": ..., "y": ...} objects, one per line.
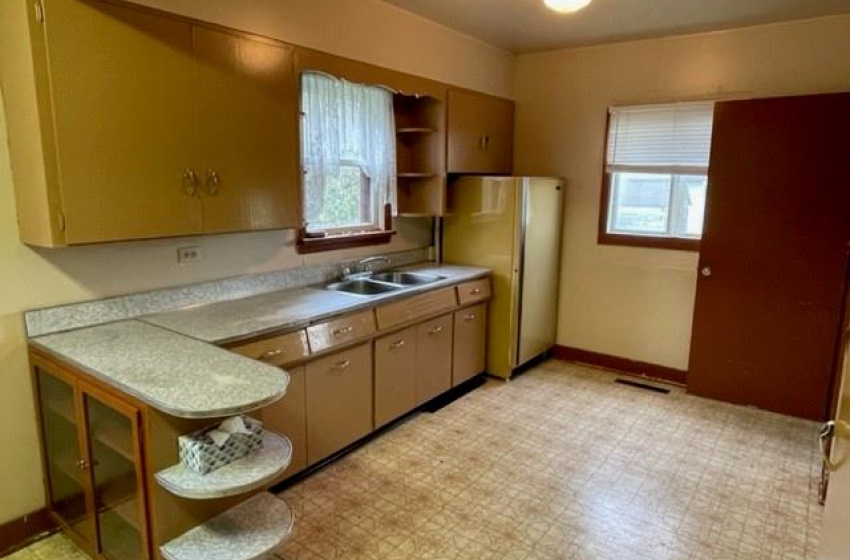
[{"x": 382, "y": 283}]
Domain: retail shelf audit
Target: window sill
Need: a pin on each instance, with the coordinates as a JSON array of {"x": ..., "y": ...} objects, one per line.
[
  {"x": 650, "y": 242},
  {"x": 306, "y": 245}
]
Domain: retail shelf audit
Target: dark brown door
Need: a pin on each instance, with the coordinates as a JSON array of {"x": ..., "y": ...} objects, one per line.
[{"x": 773, "y": 254}]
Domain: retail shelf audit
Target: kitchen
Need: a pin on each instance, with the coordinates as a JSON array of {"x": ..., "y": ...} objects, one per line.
[{"x": 619, "y": 292}]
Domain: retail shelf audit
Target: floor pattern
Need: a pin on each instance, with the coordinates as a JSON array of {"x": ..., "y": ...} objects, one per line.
[{"x": 562, "y": 464}]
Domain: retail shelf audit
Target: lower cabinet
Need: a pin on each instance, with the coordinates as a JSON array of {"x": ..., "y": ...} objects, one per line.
[
  {"x": 395, "y": 382},
  {"x": 433, "y": 358},
  {"x": 469, "y": 356},
  {"x": 339, "y": 401},
  {"x": 93, "y": 466},
  {"x": 288, "y": 417}
]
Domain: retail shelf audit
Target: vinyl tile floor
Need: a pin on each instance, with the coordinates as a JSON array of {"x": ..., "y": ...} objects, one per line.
[{"x": 562, "y": 463}]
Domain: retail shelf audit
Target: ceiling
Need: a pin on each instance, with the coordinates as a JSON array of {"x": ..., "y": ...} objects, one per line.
[{"x": 527, "y": 25}]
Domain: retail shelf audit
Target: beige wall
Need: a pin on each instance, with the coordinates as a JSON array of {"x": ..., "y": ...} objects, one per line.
[
  {"x": 630, "y": 302},
  {"x": 30, "y": 278}
]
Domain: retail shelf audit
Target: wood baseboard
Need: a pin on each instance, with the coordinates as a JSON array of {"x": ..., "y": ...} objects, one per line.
[
  {"x": 19, "y": 532},
  {"x": 632, "y": 367}
]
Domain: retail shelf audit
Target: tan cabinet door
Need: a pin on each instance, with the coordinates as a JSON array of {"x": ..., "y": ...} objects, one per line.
[
  {"x": 480, "y": 133},
  {"x": 288, "y": 418},
  {"x": 248, "y": 130},
  {"x": 121, "y": 85},
  {"x": 395, "y": 382},
  {"x": 339, "y": 401},
  {"x": 433, "y": 358},
  {"x": 470, "y": 343}
]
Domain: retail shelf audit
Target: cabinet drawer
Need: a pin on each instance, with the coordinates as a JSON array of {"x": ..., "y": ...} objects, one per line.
[
  {"x": 475, "y": 290},
  {"x": 339, "y": 401},
  {"x": 416, "y": 307},
  {"x": 277, "y": 350},
  {"x": 339, "y": 331}
]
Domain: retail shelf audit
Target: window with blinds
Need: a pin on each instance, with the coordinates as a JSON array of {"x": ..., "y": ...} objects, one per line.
[{"x": 656, "y": 172}]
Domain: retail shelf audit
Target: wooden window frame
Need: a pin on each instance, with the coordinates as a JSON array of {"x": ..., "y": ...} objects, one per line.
[{"x": 604, "y": 237}]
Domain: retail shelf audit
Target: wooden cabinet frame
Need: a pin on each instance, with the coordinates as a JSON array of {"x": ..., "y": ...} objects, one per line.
[{"x": 87, "y": 460}]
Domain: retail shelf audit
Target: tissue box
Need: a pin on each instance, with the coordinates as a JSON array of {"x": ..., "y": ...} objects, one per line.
[{"x": 199, "y": 453}]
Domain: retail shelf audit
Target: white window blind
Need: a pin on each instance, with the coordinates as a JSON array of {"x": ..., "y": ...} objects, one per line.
[{"x": 673, "y": 138}]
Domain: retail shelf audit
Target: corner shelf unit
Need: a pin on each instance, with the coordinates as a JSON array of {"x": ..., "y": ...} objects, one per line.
[
  {"x": 243, "y": 475},
  {"x": 420, "y": 152}
]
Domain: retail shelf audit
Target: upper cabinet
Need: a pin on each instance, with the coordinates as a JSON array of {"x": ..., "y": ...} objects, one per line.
[
  {"x": 248, "y": 124},
  {"x": 125, "y": 123},
  {"x": 480, "y": 133}
]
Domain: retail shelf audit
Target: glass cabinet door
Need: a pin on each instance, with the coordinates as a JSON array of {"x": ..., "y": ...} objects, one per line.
[
  {"x": 66, "y": 482},
  {"x": 115, "y": 463}
]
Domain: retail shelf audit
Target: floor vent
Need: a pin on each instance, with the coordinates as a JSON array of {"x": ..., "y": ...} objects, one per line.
[{"x": 640, "y": 385}]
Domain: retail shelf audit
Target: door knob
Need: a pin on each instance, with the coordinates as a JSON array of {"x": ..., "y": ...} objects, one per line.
[{"x": 705, "y": 271}]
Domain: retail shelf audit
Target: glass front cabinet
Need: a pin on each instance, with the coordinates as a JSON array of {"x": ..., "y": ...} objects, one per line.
[{"x": 93, "y": 464}]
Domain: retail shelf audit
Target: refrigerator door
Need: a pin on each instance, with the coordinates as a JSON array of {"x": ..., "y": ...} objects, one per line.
[
  {"x": 481, "y": 228},
  {"x": 539, "y": 265}
]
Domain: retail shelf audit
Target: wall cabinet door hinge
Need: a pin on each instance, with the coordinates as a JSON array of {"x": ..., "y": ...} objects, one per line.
[{"x": 39, "y": 11}]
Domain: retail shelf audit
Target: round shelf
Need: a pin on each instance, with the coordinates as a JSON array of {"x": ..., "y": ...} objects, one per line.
[
  {"x": 246, "y": 532},
  {"x": 243, "y": 475}
]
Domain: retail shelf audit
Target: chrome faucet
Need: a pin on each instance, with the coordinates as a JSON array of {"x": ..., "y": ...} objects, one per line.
[
  {"x": 361, "y": 265},
  {"x": 361, "y": 269}
]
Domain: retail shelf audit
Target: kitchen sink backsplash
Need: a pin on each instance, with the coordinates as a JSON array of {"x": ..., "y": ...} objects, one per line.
[{"x": 76, "y": 315}]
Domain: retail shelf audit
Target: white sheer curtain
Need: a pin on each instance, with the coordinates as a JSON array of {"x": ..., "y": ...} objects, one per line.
[{"x": 346, "y": 124}]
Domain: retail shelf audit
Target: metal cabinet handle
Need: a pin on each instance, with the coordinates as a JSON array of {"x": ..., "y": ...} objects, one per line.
[
  {"x": 474, "y": 291},
  {"x": 469, "y": 317},
  {"x": 341, "y": 365},
  {"x": 270, "y": 354},
  {"x": 190, "y": 181},
  {"x": 397, "y": 344},
  {"x": 342, "y": 330},
  {"x": 213, "y": 182},
  {"x": 436, "y": 330}
]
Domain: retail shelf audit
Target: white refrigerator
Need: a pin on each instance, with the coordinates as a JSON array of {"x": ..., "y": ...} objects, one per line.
[{"x": 513, "y": 226}]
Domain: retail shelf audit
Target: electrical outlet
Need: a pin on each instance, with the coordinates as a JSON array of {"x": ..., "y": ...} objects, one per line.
[{"x": 189, "y": 255}]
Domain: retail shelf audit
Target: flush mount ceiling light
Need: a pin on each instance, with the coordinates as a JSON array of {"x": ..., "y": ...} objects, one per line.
[{"x": 566, "y": 6}]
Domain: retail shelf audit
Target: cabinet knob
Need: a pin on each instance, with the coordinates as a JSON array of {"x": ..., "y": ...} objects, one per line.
[
  {"x": 436, "y": 330},
  {"x": 340, "y": 366},
  {"x": 190, "y": 181},
  {"x": 706, "y": 271},
  {"x": 474, "y": 291},
  {"x": 397, "y": 344},
  {"x": 469, "y": 317},
  {"x": 213, "y": 182}
]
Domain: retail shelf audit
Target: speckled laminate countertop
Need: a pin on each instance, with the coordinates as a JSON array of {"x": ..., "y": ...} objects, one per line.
[
  {"x": 173, "y": 373},
  {"x": 231, "y": 321},
  {"x": 169, "y": 360}
]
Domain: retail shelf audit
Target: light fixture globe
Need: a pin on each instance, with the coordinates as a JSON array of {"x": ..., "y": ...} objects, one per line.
[{"x": 566, "y": 6}]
